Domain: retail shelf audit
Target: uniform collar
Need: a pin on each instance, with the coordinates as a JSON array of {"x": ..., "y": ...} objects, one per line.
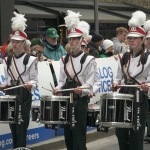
[
  {"x": 17, "y": 57},
  {"x": 77, "y": 54}
]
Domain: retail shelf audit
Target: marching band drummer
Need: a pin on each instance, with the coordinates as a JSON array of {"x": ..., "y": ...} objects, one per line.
[
  {"x": 20, "y": 69},
  {"x": 76, "y": 69},
  {"x": 133, "y": 69}
]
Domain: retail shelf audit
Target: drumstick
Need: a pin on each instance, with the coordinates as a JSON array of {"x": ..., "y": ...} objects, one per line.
[
  {"x": 47, "y": 89},
  {"x": 52, "y": 86},
  {"x": 130, "y": 85},
  {"x": 14, "y": 87},
  {"x": 81, "y": 87}
]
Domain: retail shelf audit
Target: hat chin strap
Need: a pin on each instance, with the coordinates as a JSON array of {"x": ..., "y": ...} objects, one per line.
[
  {"x": 78, "y": 43},
  {"x": 20, "y": 49}
]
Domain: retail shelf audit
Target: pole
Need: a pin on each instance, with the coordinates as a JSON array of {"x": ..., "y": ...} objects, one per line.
[{"x": 96, "y": 22}]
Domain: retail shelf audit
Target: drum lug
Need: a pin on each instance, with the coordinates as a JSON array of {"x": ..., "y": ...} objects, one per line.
[
  {"x": 38, "y": 118},
  {"x": 97, "y": 120}
]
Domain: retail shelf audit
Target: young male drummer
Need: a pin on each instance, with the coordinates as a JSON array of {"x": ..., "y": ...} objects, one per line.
[
  {"x": 134, "y": 70},
  {"x": 74, "y": 75},
  {"x": 20, "y": 69}
]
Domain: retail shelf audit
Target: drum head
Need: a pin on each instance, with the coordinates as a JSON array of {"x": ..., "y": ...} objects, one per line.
[{"x": 115, "y": 95}]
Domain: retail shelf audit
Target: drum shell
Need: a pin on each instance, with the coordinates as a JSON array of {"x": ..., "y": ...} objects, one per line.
[
  {"x": 35, "y": 112},
  {"x": 8, "y": 111},
  {"x": 91, "y": 117},
  {"x": 54, "y": 109},
  {"x": 116, "y": 110}
]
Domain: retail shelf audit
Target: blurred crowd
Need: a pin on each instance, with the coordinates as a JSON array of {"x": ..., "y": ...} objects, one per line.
[{"x": 48, "y": 47}]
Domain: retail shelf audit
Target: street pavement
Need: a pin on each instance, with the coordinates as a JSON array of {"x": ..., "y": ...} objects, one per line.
[{"x": 108, "y": 143}]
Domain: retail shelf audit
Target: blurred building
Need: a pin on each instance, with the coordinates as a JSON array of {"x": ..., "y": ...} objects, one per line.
[{"x": 42, "y": 14}]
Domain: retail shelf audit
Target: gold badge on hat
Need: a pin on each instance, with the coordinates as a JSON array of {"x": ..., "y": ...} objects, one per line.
[
  {"x": 73, "y": 30},
  {"x": 133, "y": 29},
  {"x": 17, "y": 33}
]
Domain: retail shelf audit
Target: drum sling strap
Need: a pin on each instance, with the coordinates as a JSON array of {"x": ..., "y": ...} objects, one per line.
[
  {"x": 16, "y": 78},
  {"x": 72, "y": 81}
]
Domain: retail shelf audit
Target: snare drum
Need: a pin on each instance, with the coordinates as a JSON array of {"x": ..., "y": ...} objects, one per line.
[
  {"x": 92, "y": 117},
  {"x": 116, "y": 110},
  {"x": 54, "y": 109},
  {"x": 8, "y": 111}
]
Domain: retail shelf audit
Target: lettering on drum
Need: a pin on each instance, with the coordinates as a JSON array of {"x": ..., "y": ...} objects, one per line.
[
  {"x": 128, "y": 111},
  {"x": 73, "y": 117},
  {"x": 11, "y": 109},
  {"x": 62, "y": 110}
]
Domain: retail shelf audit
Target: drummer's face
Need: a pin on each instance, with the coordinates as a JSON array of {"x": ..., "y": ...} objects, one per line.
[
  {"x": 73, "y": 42},
  {"x": 135, "y": 42},
  {"x": 17, "y": 44}
]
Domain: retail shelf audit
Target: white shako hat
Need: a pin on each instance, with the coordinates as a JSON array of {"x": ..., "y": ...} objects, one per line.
[
  {"x": 18, "y": 26},
  {"x": 135, "y": 24},
  {"x": 147, "y": 28},
  {"x": 75, "y": 27}
]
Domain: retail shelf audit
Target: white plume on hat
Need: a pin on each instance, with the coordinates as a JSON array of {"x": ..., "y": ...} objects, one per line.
[
  {"x": 72, "y": 19},
  {"x": 85, "y": 28},
  {"x": 76, "y": 28},
  {"x": 147, "y": 28},
  {"x": 138, "y": 19},
  {"x": 18, "y": 22},
  {"x": 135, "y": 23},
  {"x": 18, "y": 26}
]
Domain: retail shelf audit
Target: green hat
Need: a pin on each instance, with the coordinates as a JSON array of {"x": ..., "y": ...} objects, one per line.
[
  {"x": 52, "y": 33},
  {"x": 37, "y": 41}
]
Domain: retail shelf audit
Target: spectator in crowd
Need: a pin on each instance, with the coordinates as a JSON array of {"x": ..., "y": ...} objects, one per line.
[
  {"x": 121, "y": 34},
  {"x": 53, "y": 50},
  {"x": 96, "y": 41},
  {"x": 37, "y": 48},
  {"x": 108, "y": 49}
]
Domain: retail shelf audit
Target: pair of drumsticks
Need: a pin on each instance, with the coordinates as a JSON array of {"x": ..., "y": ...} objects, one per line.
[{"x": 85, "y": 87}]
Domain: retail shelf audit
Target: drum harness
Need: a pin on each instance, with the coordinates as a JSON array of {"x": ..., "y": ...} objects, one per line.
[
  {"x": 72, "y": 82},
  {"x": 132, "y": 81},
  {"x": 15, "y": 82}
]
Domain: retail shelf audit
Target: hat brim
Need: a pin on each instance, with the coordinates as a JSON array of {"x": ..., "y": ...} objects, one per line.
[
  {"x": 42, "y": 44},
  {"x": 53, "y": 36},
  {"x": 73, "y": 35},
  {"x": 135, "y": 35},
  {"x": 18, "y": 38}
]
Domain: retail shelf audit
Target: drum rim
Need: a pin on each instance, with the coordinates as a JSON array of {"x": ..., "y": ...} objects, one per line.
[
  {"x": 117, "y": 124},
  {"x": 8, "y": 97},
  {"x": 54, "y": 122},
  {"x": 54, "y": 96},
  {"x": 118, "y": 95}
]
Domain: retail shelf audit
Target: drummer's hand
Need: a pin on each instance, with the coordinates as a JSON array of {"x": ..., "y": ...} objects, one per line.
[
  {"x": 3, "y": 86},
  {"x": 91, "y": 95},
  {"x": 113, "y": 87},
  {"x": 49, "y": 60},
  {"x": 78, "y": 90},
  {"x": 56, "y": 93},
  {"x": 28, "y": 86},
  {"x": 144, "y": 86}
]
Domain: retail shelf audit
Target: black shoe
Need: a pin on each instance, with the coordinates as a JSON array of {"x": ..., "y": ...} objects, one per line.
[{"x": 147, "y": 139}]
